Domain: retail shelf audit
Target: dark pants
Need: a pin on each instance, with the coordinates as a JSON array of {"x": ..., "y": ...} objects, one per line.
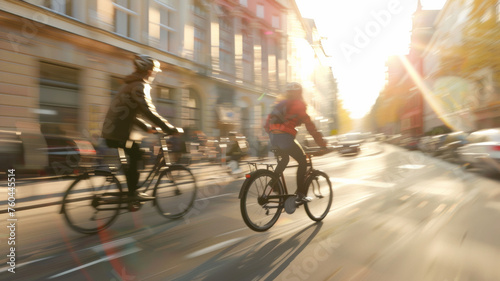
[
  {"x": 134, "y": 156},
  {"x": 288, "y": 146}
]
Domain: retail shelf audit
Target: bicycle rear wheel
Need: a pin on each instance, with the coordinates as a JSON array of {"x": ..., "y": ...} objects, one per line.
[
  {"x": 175, "y": 192},
  {"x": 320, "y": 190},
  {"x": 260, "y": 204},
  {"x": 92, "y": 202}
]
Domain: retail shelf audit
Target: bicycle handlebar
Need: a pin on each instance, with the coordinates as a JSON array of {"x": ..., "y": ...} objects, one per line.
[{"x": 318, "y": 152}]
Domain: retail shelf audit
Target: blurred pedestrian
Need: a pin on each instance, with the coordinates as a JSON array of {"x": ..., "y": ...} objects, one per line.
[{"x": 236, "y": 150}]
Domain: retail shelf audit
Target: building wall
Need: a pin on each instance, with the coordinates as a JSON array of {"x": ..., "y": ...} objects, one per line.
[{"x": 84, "y": 40}]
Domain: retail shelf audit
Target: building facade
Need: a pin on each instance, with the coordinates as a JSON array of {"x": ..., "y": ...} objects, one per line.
[
  {"x": 463, "y": 62},
  {"x": 224, "y": 62}
]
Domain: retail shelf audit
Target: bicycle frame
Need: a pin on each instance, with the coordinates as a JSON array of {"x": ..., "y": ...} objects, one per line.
[
  {"x": 162, "y": 162},
  {"x": 282, "y": 176}
]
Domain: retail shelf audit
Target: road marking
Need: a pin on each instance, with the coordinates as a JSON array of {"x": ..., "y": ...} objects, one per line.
[
  {"x": 364, "y": 198},
  {"x": 231, "y": 232},
  {"x": 364, "y": 182},
  {"x": 404, "y": 198},
  {"x": 440, "y": 208},
  {"x": 113, "y": 244},
  {"x": 411, "y": 167},
  {"x": 207, "y": 198},
  {"x": 422, "y": 204},
  {"x": 213, "y": 248},
  {"x": 25, "y": 263},
  {"x": 108, "y": 258}
]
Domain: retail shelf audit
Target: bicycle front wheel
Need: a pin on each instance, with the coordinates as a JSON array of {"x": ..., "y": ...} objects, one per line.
[
  {"x": 92, "y": 202},
  {"x": 175, "y": 192},
  {"x": 320, "y": 190},
  {"x": 261, "y": 204}
]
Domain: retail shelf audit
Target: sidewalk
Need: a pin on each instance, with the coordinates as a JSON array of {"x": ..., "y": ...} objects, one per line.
[{"x": 33, "y": 193}]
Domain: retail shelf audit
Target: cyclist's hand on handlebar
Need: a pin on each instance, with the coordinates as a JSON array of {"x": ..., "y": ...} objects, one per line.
[
  {"x": 325, "y": 149},
  {"x": 175, "y": 130}
]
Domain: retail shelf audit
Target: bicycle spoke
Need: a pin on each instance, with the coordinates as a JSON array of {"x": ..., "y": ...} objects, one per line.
[
  {"x": 320, "y": 190},
  {"x": 259, "y": 212},
  {"x": 92, "y": 202},
  {"x": 175, "y": 192}
]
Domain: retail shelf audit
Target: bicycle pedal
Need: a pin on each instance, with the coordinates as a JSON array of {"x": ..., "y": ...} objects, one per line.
[
  {"x": 290, "y": 205},
  {"x": 135, "y": 206}
]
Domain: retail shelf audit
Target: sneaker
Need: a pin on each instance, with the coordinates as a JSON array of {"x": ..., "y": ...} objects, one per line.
[
  {"x": 301, "y": 199},
  {"x": 141, "y": 196}
]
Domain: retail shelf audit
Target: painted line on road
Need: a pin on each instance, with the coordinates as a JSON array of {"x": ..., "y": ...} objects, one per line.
[
  {"x": 113, "y": 244},
  {"x": 411, "y": 167},
  {"x": 214, "y": 248},
  {"x": 108, "y": 258},
  {"x": 364, "y": 198},
  {"x": 25, "y": 263},
  {"x": 364, "y": 182},
  {"x": 231, "y": 232},
  {"x": 212, "y": 197}
]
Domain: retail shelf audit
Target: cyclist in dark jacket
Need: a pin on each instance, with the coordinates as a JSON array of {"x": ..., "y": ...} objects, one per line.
[
  {"x": 280, "y": 125},
  {"x": 130, "y": 107}
]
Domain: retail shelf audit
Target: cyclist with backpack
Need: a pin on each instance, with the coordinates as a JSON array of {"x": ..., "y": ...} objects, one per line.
[{"x": 280, "y": 125}]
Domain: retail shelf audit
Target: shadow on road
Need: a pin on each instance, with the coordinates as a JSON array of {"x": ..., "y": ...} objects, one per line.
[{"x": 267, "y": 258}]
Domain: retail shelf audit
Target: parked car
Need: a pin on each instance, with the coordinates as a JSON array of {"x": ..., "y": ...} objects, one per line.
[
  {"x": 449, "y": 145},
  {"x": 11, "y": 150},
  {"x": 393, "y": 139},
  {"x": 66, "y": 155},
  {"x": 435, "y": 143},
  {"x": 22, "y": 151},
  {"x": 425, "y": 144},
  {"x": 482, "y": 150},
  {"x": 350, "y": 144},
  {"x": 409, "y": 142}
]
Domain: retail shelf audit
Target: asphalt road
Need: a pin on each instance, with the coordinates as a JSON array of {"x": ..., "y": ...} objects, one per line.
[{"x": 397, "y": 215}]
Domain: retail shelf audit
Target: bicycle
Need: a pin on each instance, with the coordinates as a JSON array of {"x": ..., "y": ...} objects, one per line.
[
  {"x": 264, "y": 194},
  {"x": 95, "y": 198}
]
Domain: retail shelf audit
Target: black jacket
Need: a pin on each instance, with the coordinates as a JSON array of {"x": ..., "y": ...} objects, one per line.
[{"x": 129, "y": 107}]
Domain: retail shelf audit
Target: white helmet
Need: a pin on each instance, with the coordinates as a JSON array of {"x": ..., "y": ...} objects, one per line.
[
  {"x": 144, "y": 63},
  {"x": 293, "y": 87}
]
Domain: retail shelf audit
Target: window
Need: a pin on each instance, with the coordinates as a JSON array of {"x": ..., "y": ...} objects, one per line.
[
  {"x": 166, "y": 104},
  {"x": 126, "y": 19},
  {"x": 247, "y": 54},
  {"x": 200, "y": 31},
  {"x": 58, "y": 112},
  {"x": 260, "y": 11},
  {"x": 226, "y": 42},
  {"x": 162, "y": 24},
  {"x": 244, "y": 3},
  {"x": 265, "y": 58},
  {"x": 65, "y": 7},
  {"x": 191, "y": 106},
  {"x": 276, "y": 22}
]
